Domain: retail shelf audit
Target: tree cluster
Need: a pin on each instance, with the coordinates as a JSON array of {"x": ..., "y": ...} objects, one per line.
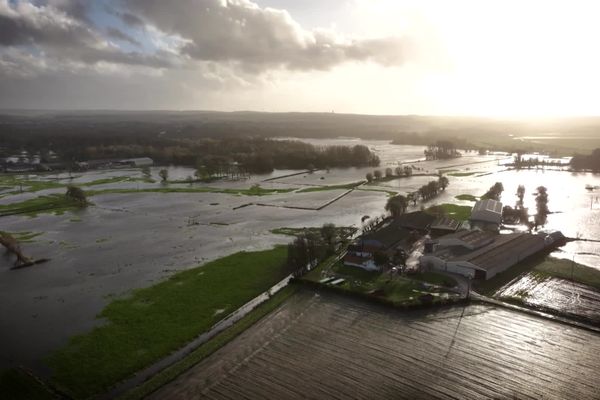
[
  {"x": 308, "y": 249},
  {"x": 494, "y": 192},
  {"x": 441, "y": 150},
  {"x": 587, "y": 162},
  {"x": 390, "y": 173}
]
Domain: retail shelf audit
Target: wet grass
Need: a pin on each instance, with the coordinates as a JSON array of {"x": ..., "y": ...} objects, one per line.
[
  {"x": 155, "y": 321},
  {"x": 331, "y": 187},
  {"x": 15, "y": 384},
  {"x": 460, "y": 213},
  {"x": 466, "y": 197},
  {"x": 569, "y": 270},
  {"x": 53, "y": 203},
  {"x": 208, "y": 348}
]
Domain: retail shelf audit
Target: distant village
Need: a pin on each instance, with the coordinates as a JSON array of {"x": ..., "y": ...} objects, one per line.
[{"x": 475, "y": 249}]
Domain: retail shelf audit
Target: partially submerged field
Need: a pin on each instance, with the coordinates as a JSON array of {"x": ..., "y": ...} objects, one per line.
[
  {"x": 332, "y": 347},
  {"x": 155, "y": 321}
]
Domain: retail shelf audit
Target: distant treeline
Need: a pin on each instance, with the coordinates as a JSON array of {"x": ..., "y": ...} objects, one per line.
[
  {"x": 589, "y": 162},
  {"x": 256, "y": 155}
]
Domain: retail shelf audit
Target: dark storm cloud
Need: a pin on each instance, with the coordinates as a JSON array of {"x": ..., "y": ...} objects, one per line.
[{"x": 258, "y": 38}]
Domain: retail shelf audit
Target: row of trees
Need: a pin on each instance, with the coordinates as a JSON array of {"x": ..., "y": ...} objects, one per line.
[
  {"x": 587, "y": 162},
  {"x": 397, "y": 205},
  {"x": 399, "y": 172}
]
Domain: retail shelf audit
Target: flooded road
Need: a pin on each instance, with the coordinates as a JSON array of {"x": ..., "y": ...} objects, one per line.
[{"x": 329, "y": 347}]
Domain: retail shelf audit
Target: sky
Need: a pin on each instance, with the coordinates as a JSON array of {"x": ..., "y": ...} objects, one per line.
[{"x": 461, "y": 57}]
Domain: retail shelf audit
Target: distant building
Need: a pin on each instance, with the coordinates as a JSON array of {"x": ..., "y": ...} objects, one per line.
[
  {"x": 480, "y": 254},
  {"x": 138, "y": 162},
  {"x": 486, "y": 214},
  {"x": 418, "y": 221},
  {"x": 444, "y": 226}
]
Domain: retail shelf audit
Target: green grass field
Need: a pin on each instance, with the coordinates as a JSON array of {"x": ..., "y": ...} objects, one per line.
[
  {"x": 566, "y": 269},
  {"x": 155, "y": 321},
  {"x": 208, "y": 348}
]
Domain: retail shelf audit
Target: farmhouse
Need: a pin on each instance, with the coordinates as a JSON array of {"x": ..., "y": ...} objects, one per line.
[
  {"x": 480, "y": 254},
  {"x": 385, "y": 240},
  {"x": 138, "y": 162}
]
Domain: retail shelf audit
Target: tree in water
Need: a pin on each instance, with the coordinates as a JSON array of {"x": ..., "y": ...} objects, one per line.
[
  {"x": 76, "y": 194},
  {"x": 520, "y": 195},
  {"x": 164, "y": 174},
  {"x": 396, "y": 205},
  {"x": 541, "y": 204},
  {"x": 377, "y": 174},
  {"x": 369, "y": 177},
  {"x": 443, "y": 182},
  {"x": 389, "y": 173}
]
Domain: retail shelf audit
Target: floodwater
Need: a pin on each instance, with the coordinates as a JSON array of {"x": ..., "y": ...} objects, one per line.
[
  {"x": 564, "y": 296},
  {"x": 128, "y": 241},
  {"x": 330, "y": 347}
]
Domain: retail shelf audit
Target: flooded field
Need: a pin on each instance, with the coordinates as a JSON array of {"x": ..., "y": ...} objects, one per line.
[
  {"x": 567, "y": 297},
  {"x": 132, "y": 240},
  {"x": 332, "y": 347}
]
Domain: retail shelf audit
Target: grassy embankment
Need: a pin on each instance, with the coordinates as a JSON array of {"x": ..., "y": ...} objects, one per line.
[
  {"x": 398, "y": 290},
  {"x": 208, "y": 348},
  {"x": 52, "y": 203},
  {"x": 58, "y": 203},
  {"x": 543, "y": 267},
  {"x": 155, "y": 321},
  {"x": 253, "y": 191},
  {"x": 21, "y": 185},
  {"x": 346, "y": 186}
]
